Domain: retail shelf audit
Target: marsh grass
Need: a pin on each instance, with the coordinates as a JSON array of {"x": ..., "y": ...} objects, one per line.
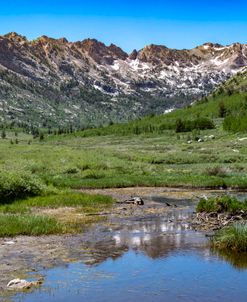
[
  {"x": 86, "y": 202},
  {"x": 20, "y": 217},
  {"x": 217, "y": 171},
  {"x": 69, "y": 199},
  {"x": 34, "y": 225},
  {"x": 221, "y": 204},
  {"x": 233, "y": 237}
]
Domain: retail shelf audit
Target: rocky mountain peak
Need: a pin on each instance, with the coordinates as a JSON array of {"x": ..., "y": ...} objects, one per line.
[
  {"x": 63, "y": 40},
  {"x": 133, "y": 55},
  {"x": 15, "y": 37},
  {"x": 45, "y": 39},
  {"x": 117, "y": 52},
  {"x": 88, "y": 74},
  {"x": 101, "y": 53},
  {"x": 153, "y": 53},
  {"x": 211, "y": 45}
]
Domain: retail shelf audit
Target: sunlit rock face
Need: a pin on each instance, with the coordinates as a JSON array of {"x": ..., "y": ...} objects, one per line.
[{"x": 87, "y": 77}]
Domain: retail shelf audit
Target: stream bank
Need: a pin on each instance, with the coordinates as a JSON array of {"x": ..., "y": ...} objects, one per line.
[{"x": 154, "y": 230}]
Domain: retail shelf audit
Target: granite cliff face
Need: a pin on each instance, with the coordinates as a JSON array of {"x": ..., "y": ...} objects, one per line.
[{"x": 49, "y": 82}]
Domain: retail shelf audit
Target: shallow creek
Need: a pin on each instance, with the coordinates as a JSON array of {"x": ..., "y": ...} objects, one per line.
[{"x": 145, "y": 257}]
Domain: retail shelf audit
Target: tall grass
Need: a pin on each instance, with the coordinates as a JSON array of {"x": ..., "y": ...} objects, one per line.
[
  {"x": 63, "y": 199},
  {"x": 18, "y": 218},
  {"x": 13, "y": 225},
  {"x": 221, "y": 204},
  {"x": 233, "y": 237}
]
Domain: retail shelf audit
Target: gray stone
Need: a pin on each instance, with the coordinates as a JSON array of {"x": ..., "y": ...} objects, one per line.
[{"x": 21, "y": 284}]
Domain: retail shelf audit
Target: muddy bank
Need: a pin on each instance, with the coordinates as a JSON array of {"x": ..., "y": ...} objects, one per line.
[
  {"x": 149, "y": 192},
  {"x": 215, "y": 221}
]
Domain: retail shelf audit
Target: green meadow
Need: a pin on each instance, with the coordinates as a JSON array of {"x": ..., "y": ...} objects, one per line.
[{"x": 191, "y": 147}]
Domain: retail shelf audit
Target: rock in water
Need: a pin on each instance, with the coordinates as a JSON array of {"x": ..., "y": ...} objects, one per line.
[
  {"x": 19, "y": 284},
  {"x": 135, "y": 200},
  {"x": 139, "y": 201}
]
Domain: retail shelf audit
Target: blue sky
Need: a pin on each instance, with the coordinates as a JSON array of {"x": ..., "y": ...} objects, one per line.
[{"x": 129, "y": 24}]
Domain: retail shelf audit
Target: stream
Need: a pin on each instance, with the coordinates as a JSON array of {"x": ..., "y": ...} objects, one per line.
[{"x": 149, "y": 258}]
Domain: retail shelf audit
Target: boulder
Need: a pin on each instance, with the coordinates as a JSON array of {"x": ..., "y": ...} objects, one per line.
[
  {"x": 135, "y": 200},
  {"x": 20, "y": 284}
]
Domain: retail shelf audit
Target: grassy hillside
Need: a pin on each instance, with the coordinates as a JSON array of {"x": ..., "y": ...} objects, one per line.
[{"x": 229, "y": 100}]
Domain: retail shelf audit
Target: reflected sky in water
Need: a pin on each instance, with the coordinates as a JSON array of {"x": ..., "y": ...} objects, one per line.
[{"x": 157, "y": 259}]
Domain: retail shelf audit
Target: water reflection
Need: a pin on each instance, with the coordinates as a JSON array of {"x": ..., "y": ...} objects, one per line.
[
  {"x": 237, "y": 260},
  {"x": 150, "y": 259},
  {"x": 154, "y": 236}
]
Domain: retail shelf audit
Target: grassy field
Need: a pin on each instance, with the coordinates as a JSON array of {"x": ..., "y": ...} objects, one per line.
[
  {"x": 119, "y": 161},
  {"x": 39, "y": 177},
  {"x": 165, "y": 150}
]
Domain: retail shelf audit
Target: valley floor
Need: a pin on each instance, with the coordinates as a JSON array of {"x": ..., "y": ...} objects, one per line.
[
  {"x": 39, "y": 179},
  {"x": 140, "y": 160}
]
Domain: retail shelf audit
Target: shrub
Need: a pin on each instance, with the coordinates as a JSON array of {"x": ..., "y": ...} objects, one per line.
[
  {"x": 3, "y": 134},
  {"x": 72, "y": 170},
  {"x": 235, "y": 123},
  {"x": 189, "y": 125},
  {"x": 20, "y": 184},
  {"x": 216, "y": 171},
  {"x": 222, "y": 109}
]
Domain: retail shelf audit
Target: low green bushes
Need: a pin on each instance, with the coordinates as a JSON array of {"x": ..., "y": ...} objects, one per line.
[
  {"x": 236, "y": 123},
  {"x": 216, "y": 171},
  {"x": 189, "y": 125},
  {"x": 19, "y": 184}
]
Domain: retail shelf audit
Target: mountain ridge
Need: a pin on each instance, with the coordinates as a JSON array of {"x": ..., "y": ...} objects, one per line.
[{"x": 54, "y": 81}]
